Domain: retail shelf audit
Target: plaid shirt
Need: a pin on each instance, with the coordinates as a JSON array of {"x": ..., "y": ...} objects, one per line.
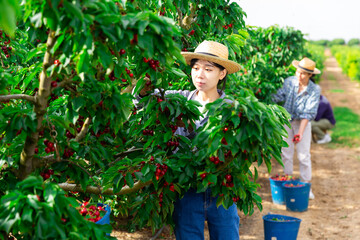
[{"x": 302, "y": 105}]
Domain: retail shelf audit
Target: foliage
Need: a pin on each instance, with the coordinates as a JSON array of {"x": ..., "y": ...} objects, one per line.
[
  {"x": 317, "y": 54},
  {"x": 321, "y": 42},
  {"x": 68, "y": 106},
  {"x": 345, "y": 131},
  {"x": 266, "y": 59},
  {"x": 337, "y": 41},
  {"x": 353, "y": 42},
  {"x": 349, "y": 60},
  {"x": 34, "y": 209}
]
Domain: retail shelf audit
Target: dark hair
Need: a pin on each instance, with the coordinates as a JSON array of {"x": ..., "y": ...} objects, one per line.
[{"x": 194, "y": 60}]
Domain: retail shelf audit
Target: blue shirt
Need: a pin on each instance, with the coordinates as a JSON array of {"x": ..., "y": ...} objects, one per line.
[{"x": 301, "y": 105}]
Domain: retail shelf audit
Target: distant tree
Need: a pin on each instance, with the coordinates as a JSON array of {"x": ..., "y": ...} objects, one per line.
[
  {"x": 337, "y": 41},
  {"x": 321, "y": 42},
  {"x": 354, "y": 41}
]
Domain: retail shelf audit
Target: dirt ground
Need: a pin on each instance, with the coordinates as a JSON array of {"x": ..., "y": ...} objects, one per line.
[{"x": 335, "y": 211}]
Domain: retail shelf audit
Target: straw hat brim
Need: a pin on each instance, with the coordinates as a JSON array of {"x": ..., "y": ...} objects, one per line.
[
  {"x": 295, "y": 63},
  {"x": 229, "y": 65}
]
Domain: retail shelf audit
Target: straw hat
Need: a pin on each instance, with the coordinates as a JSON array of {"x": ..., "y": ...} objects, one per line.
[
  {"x": 307, "y": 65},
  {"x": 213, "y": 52}
]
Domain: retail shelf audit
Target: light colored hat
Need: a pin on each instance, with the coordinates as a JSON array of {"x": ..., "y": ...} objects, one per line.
[
  {"x": 307, "y": 65},
  {"x": 213, "y": 52}
]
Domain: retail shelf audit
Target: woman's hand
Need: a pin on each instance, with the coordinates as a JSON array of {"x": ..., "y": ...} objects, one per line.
[{"x": 297, "y": 138}]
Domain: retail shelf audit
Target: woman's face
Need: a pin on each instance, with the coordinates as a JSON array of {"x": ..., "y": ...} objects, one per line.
[
  {"x": 303, "y": 76},
  {"x": 205, "y": 75}
]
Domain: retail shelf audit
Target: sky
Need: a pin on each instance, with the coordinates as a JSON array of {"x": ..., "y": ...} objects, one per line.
[{"x": 318, "y": 19}]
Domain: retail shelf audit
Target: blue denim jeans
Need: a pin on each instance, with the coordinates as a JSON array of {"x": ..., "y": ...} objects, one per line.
[{"x": 194, "y": 209}]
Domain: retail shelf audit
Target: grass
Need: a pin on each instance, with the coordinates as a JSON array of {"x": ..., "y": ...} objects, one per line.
[
  {"x": 337, "y": 90},
  {"x": 347, "y": 129},
  {"x": 331, "y": 77}
]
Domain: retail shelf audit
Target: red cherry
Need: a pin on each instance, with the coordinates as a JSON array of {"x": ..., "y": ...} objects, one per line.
[
  {"x": 122, "y": 51},
  {"x": 226, "y": 129},
  {"x": 54, "y": 84},
  {"x": 123, "y": 80},
  {"x": 145, "y": 60},
  {"x": 46, "y": 176},
  {"x": 192, "y": 32},
  {"x": 228, "y": 178},
  {"x": 57, "y": 62}
]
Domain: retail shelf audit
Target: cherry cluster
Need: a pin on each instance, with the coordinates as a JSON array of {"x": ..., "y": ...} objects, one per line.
[
  {"x": 215, "y": 160},
  {"x": 236, "y": 199},
  {"x": 50, "y": 147},
  {"x": 148, "y": 132},
  {"x": 228, "y": 26},
  {"x": 47, "y": 174},
  {"x": 154, "y": 64},
  {"x": 68, "y": 153},
  {"x": 160, "y": 171},
  {"x": 229, "y": 181},
  {"x": 173, "y": 128},
  {"x": 91, "y": 212},
  {"x": 6, "y": 50},
  {"x": 171, "y": 143},
  {"x": 278, "y": 177}
]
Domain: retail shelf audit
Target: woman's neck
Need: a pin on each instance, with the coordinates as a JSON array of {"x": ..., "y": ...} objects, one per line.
[{"x": 208, "y": 96}]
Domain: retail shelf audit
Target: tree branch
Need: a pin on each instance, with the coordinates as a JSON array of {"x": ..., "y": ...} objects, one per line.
[
  {"x": 96, "y": 190},
  {"x": 4, "y": 98},
  {"x": 129, "y": 88},
  {"x": 180, "y": 16},
  {"x": 191, "y": 18},
  {"x": 27, "y": 160},
  {"x": 84, "y": 130}
]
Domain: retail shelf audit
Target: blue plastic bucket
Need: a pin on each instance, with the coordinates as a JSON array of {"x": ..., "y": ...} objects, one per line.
[
  {"x": 280, "y": 227},
  {"x": 277, "y": 190},
  {"x": 297, "y": 198},
  {"x": 106, "y": 218}
]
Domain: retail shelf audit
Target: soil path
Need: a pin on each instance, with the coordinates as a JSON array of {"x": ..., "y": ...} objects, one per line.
[{"x": 335, "y": 211}]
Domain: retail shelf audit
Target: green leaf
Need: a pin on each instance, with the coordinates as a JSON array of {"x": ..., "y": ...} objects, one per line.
[
  {"x": 9, "y": 9},
  {"x": 59, "y": 40},
  {"x": 178, "y": 72},
  {"x": 31, "y": 77},
  {"x": 129, "y": 180},
  {"x": 104, "y": 54},
  {"x": 27, "y": 214},
  {"x": 146, "y": 42},
  {"x": 51, "y": 17},
  {"x": 78, "y": 102},
  {"x": 83, "y": 63},
  {"x": 73, "y": 10},
  {"x": 74, "y": 145}
]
